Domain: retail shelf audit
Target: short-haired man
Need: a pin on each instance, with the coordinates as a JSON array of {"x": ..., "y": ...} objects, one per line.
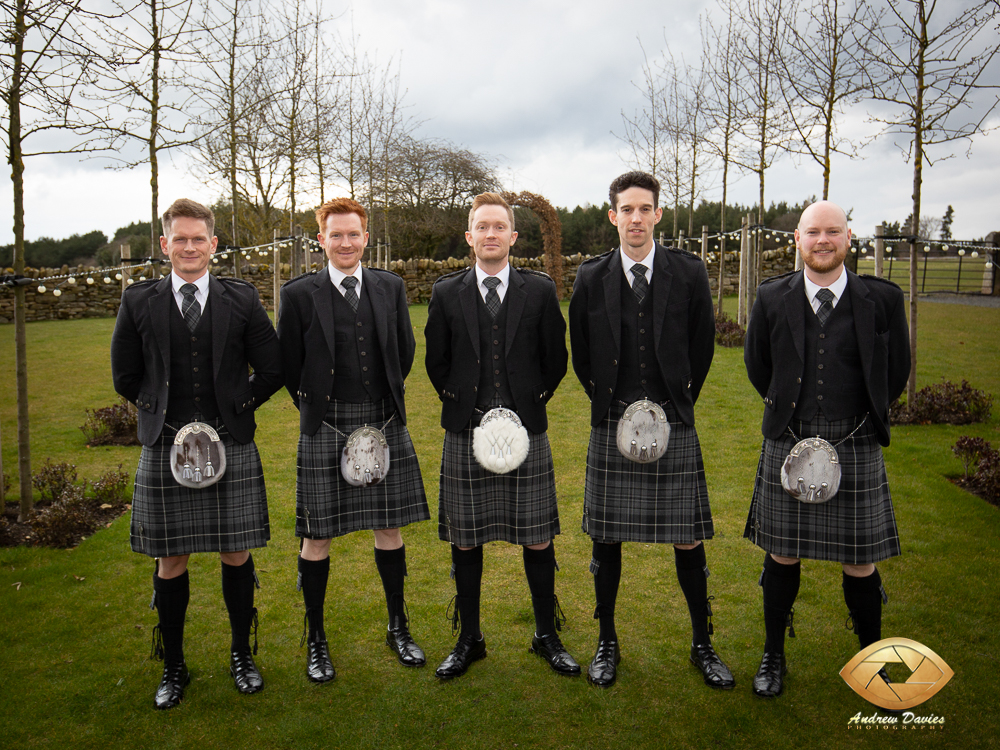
[
  {"x": 347, "y": 346},
  {"x": 828, "y": 351},
  {"x": 181, "y": 352},
  {"x": 496, "y": 338},
  {"x": 642, "y": 328}
]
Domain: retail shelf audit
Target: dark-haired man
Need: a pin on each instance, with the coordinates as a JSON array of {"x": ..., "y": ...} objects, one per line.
[
  {"x": 497, "y": 339},
  {"x": 642, "y": 329},
  {"x": 828, "y": 351},
  {"x": 347, "y": 346},
  {"x": 181, "y": 352}
]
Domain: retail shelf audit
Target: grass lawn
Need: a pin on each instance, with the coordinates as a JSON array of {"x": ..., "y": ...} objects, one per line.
[{"x": 75, "y": 624}]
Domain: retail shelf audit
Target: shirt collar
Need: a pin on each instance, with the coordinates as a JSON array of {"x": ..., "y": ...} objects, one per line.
[
  {"x": 503, "y": 275},
  {"x": 647, "y": 261},
  {"x": 836, "y": 287},
  {"x": 336, "y": 276},
  {"x": 176, "y": 282}
]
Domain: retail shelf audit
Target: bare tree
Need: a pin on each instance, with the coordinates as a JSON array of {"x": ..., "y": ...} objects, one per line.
[
  {"x": 822, "y": 67},
  {"x": 719, "y": 43},
  {"x": 926, "y": 69},
  {"x": 149, "y": 85},
  {"x": 642, "y": 131},
  {"x": 44, "y": 66}
]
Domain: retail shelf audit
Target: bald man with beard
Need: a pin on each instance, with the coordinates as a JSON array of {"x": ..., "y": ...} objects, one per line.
[{"x": 828, "y": 351}]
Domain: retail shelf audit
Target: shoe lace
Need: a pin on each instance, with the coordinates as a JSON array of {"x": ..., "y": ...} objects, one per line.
[
  {"x": 708, "y": 611},
  {"x": 156, "y": 650},
  {"x": 453, "y": 615},
  {"x": 559, "y": 616},
  {"x": 253, "y": 628}
]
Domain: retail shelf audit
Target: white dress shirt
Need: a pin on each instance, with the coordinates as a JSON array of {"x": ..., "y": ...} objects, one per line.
[
  {"x": 201, "y": 295},
  {"x": 647, "y": 261},
  {"x": 503, "y": 275},
  {"x": 336, "y": 276},
  {"x": 836, "y": 287}
]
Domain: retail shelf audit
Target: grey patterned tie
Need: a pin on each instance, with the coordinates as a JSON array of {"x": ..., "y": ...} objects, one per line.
[
  {"x": 492, "y": 296},
  {"x": 639, "y": 284},
  {"x": 826, "y": 297},
  {"x": 350, "y": 295},
  {"x": 190, "y": 308}
]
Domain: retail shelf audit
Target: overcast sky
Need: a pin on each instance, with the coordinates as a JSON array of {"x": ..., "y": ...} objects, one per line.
[{"x": 539, "y": 86}]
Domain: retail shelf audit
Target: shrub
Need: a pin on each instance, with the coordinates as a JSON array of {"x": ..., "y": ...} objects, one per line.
[
  {"x": 984, "y": 462},
  {"x": 971, "y": 450},
  {"x": 110, "y": 487},
  {"x": 728, "y": 332},
  {"x": 53, "y": 480},
  {"x": 112, "y": 425},
  {"x": 945, "y": 403},
  {"x": 66, "y": 522}
]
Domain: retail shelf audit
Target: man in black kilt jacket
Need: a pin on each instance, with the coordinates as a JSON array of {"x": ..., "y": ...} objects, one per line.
[
  {"x": 496, "y": 338},
  {"x": 642, "y": 326},
  {"x": 182, "y": 350},
  {"x": 347, "y": 345},
  {"x": 828, "y": 351}
]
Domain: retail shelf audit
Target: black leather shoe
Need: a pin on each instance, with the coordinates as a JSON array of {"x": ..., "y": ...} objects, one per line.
[
  {"x": 466, "y": 651},
  {"x": 603, "y": 670},
  {"x": 171, "y": 689},
  {"x": 245, "y": 673},
  {"x": 715, "y": 672},
  {"x": 767, "y": 683},
  {"x": 319, "y": 668},
  {"x": 550, "y": 648},
  {"x": 406, "y": 649}
]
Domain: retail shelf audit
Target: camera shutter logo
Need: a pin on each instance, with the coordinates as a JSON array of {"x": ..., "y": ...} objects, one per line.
[{"x": 928, "y": 673}]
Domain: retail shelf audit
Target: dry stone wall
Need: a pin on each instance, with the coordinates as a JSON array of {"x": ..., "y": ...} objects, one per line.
[{"x": 80, "y": 299}]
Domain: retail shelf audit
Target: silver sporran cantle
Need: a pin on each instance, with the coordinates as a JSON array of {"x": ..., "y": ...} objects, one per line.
[
  {"x": 365, "y": 458},
  {"x": 500, "y": 443},
  {"x": 812, "y": 472},
  {"x": 643, "y": 432},
  {"x": 197, "y": 457}
]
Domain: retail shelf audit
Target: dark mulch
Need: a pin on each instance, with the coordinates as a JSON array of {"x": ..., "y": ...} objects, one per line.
[
  {"x": 970, "y": 486},
  {"x": 14, "y": 534}
]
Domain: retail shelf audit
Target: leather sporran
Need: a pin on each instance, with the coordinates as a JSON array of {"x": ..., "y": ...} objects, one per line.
[
  {"x": 500, "y": 443},
  {"x": 811, "y": 472},
  {"x": 365, "y": 458},
  {"x": 643, "y": 432},
  {"x": 197, "y": 457}
]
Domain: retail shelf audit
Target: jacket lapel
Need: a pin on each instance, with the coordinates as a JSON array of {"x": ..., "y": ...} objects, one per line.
[
  {"x": 864, "y": 322},
  {"x": 662, "y": 280},
  {"x": 795, "y": 311},
  {"x": 220, "y": 307},
  {"x": 323, "y": 307},
  {"x": 516, "y": 297},
  {"x": 613, "y": 298},
  {"x": 376, "y": 295},
  {"x": 467, "y": 296},
  {"x": 159, "y": 318}
]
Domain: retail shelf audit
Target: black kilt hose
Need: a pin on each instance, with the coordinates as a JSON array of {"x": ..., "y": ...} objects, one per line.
[
  {"x": 476, "y": 506},
  {"x": 857, "y": 526},
  {"x": 662, "y": 502},
  {"x": 169, "y": 519},
  {"x": 326, "y": 506}
]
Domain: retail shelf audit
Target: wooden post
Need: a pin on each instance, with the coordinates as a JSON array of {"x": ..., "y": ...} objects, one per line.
[
  {"x": 879, "y": 250},
  {"x": 126, "y": 274},
  {"x": 704, "y": 244},
  {"x": 387, "y": 255},
  {"x": 680, "y": 240},
  {"x": 741, "y": 312},
  {"x": 276, "y": 277},
  {"x": 300, "y": 250},
  {"x": 722, "y": 267}
]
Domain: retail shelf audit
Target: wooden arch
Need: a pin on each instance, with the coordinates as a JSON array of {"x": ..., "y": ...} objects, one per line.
[{"x": 551, "y": 232}]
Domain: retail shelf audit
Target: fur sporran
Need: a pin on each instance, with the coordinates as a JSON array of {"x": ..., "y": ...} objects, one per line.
[
  {"x": 811, "y": 472},
  {"x": 500, "y": 443},
  {"x": 643, "y": 432},
  {"x": 197, "y": 457},
  {"x": 365, "y": 458}
]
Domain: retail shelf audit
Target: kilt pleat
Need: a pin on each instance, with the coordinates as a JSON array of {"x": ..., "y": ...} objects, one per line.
[
  {"x": 169, "y": 519},
  {"x": 326, "y": 506},
  {"x": 662, "y": 502},
  {"x": 477, "y": 506},
  {"x": 857, "y": 526}
]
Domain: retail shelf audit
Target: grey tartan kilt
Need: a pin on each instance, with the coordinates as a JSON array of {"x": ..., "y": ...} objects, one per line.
[
  {"x": 662, "y": 502},
  {"x": 326, "y": 506},
  {"x": 476, "y": 506},
  {"x": 169, "y": 519},
  {"x": 857, "y": 526}
]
